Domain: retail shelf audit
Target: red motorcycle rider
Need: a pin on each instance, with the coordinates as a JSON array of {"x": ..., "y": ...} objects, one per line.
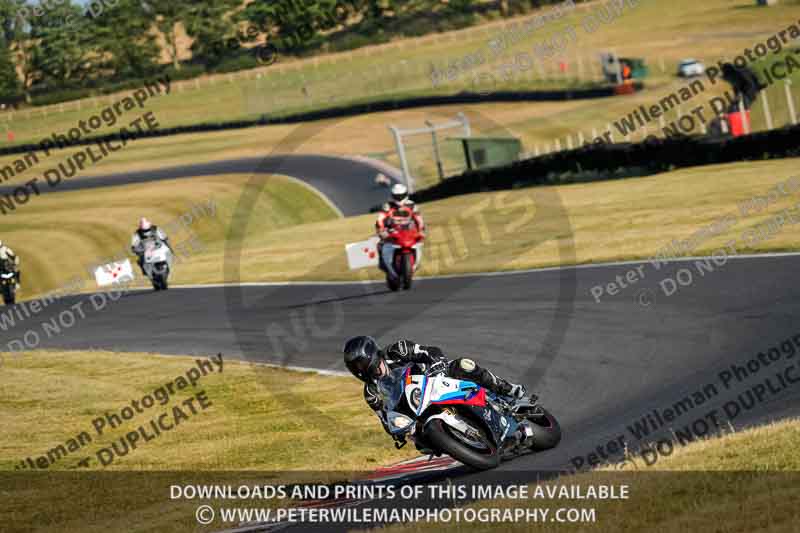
[{"x": 394, "y": 209}]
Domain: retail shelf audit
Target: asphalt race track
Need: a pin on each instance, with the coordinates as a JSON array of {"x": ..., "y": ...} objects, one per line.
[
  {"x": 348, "y": 183},
  {"x": 605, "y": 365}
]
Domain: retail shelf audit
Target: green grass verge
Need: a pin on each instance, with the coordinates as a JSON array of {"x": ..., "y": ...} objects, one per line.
[{"x": 258, "y": 419}]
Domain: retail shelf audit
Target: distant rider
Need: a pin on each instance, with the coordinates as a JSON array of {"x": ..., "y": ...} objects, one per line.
[
  {"x": 146, "y": 230},
  {"x": 9, "y": 260},
  {"x": 366, "y": 361},
  {"x": 381, "y": 179},
  {"x": 389, "y": 211}
]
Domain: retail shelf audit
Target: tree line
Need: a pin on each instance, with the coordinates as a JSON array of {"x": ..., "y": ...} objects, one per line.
[{"x": 62, "y": 46}]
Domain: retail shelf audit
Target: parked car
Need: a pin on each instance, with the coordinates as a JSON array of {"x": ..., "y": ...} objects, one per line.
[{"x": 688, "y": 68}]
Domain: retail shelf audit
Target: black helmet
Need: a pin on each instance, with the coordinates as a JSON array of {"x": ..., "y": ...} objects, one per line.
[{"x": 362, "y": 356}]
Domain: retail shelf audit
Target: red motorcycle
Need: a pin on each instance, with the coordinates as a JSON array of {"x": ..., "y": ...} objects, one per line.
[{"x": 402, "y": 250}]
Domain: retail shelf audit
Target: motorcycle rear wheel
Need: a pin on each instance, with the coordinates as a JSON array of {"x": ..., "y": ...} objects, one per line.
[
  {"x": 438, "y": 434},
  {"x": 546, "y": 431}
]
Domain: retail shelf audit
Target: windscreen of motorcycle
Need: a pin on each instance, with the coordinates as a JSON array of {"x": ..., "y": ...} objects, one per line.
[{"x": 391, "y": 386}]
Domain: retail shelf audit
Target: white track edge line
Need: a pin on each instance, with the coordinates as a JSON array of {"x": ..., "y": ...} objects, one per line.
[{"x": 481, "y": 274}]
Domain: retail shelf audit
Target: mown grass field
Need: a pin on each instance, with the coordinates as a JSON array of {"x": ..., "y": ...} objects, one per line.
[
  {"x": 651, "y": 30},
  {"x": 260, "y": 418},
  {"x": 283, "y": 426},
  {"x": 661, "y": 34},
  {"x": 292, "y": 234},
  {"x": 740, "y": 482}
]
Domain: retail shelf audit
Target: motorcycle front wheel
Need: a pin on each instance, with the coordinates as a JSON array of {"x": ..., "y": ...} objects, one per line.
[
  {"x": 159, "y": 282},
  {"x": 408, "y": 272},
  {"x": 446, "y": 439},
  {"x": 394, "y": 283},
  {"x": 9, "y": 297}
]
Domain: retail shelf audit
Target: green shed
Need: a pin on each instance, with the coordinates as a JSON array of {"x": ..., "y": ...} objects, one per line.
[{"x": 486, "y": 152}]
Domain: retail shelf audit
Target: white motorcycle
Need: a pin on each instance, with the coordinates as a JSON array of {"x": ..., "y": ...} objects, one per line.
[
  {"x": 8, "y": 283},
  {"x": 459, "y": 418},
  {"x": 157, "y": 262}
]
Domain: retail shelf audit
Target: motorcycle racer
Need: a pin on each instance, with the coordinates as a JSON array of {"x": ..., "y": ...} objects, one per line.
[
  {"x": 146, "y": 230},
  {"x": 366, "y": 361},
  {"x": 396, "y": 208},
  {"x": 10, "y": 260},
  {"x": 398, "y": 199}
]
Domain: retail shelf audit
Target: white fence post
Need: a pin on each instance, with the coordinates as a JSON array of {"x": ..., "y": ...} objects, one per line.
[
  {"x": 401, "y": 151},
  {"x": 790, "y": 101},
  {"x": 767, "y": 114},
  {"x": 743, "y": 116}
]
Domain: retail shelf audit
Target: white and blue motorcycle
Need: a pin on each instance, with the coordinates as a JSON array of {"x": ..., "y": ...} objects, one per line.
[{"x": 459, "y": 418}]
